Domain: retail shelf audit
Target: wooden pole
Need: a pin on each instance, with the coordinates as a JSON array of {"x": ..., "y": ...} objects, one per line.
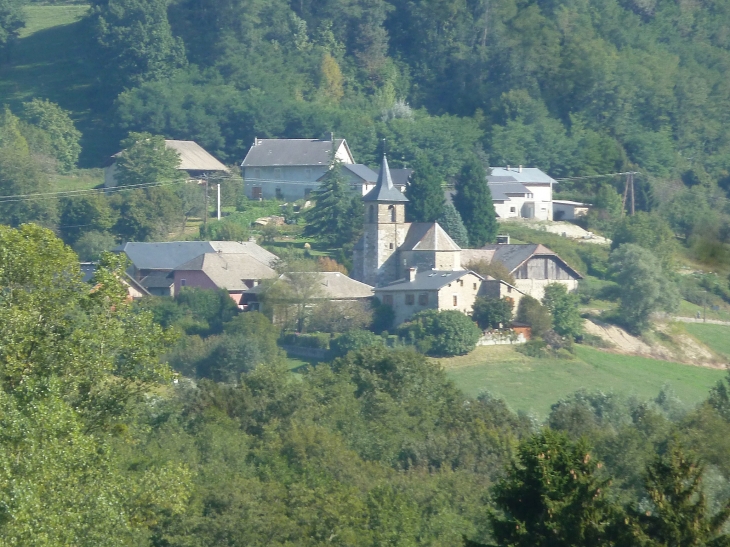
[{"x": 633, "y": 201}]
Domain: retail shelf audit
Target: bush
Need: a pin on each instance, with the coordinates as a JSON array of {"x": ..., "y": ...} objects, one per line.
[
  {"x": 441, "y": 333},
  {"x": 352, "y": 341},
  {"x": 534, "y": 314},
  {"x": 492, "y": 313},
  {"x": 316, "y": 340},
  {"x": 383, "y": 317}
]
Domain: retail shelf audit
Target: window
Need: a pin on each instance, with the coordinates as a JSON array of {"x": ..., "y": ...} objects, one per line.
[
  {"x": 307, "y": 173},
  {"x": 509, "y": 289},
  {"x": 307, "y": 192},
  {"x": 372, "y": 214},
  {"x": 388, "y": 299},
  {"x": 392, "y": 213},
  {"x": 257, "y": 174},
  {"x": 511, "y": 209},
  {"x": 456, "y": 300},
  {"x": 390, "y": 246},
  {"x": 461, "y": 282},
  {"x": 279, "y": 194},
  {"x": 277, "y": 173},
  {"x": 183, "y": 282},
  {"x": 475, "y": 286},
  {"x": 410, "y": 299},
  {"x": 423, "y": 299},
  {"x": 256, "y": 192}
]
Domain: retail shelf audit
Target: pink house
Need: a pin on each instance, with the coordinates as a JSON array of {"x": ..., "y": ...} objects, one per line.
[{"x": 234, "y": 273}]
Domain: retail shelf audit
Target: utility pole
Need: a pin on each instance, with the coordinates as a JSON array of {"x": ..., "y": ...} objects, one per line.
[
  {"x": 626, "y": 191},
  {"x": 633, "y": 201},
  {"x": 219, "y": 201},
  {"x": 205, "y": 214}
]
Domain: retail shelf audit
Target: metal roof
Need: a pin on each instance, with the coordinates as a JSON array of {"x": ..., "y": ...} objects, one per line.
[
  {"x": 288, "y": 152},
  {"x": 428, "y": 236},
  {"x": 525, "y": 175},
  {"x": 194, "y": 157},
  {"x": 400, "y": 176},
  {"x": 384, "y": 189},
  {"x": 362, "y": 171},
  {"x": 428, "y": 280},
  {"x": 167, "y": 256},
  {"x": 229, "y": 271}
]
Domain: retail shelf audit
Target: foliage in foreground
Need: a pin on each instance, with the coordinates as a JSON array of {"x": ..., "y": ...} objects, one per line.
[{"x": 441, "y": 333}]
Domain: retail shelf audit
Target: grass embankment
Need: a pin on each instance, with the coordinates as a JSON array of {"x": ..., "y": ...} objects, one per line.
[
  {"x": 533, "y": 385},
  {"x": 715, "y": 337}
]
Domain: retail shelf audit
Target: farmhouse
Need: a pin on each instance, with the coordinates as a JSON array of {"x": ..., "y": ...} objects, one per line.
[
  {"x": 164, "y": 268},
  {"x": 194, "y": 160},
  {"x": 533, "y": 266},
  {"x": 291, "y": 169}
]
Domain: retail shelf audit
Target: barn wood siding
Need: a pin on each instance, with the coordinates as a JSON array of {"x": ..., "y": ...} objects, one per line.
[{"x": 543, "y": 268}]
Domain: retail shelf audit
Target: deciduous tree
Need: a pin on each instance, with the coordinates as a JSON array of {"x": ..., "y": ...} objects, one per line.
[{"x": 563, "y": 307}]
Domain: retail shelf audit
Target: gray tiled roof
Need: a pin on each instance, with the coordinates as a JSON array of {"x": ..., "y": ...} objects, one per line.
[
  {"x": 335, "y": 286},
  {"x": 501, "y": 190},
  {"x": 194, "y": 157},
  {"x": 229, "y": 271},
  {"x": 400, "y": 176},
  {"x": 169, "y": 255},
  {"x": 428, "y": 236},
  {"x": 157, "y": 280},
  {"x": 514, "y": 255},
  {"x": 428, "y": 280},
  {"x": 362, "y": 171},
  {"x": 526, "y": 176},
  {"x": 272, "y": 152},
  {"x": 384, "y": 189}
]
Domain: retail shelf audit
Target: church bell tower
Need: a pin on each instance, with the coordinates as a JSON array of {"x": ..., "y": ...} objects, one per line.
[{"x": 385, "y": 229}]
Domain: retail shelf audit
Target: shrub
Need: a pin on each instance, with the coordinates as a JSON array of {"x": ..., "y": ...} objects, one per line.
[
  {"x": 441, "y": 333},
  {"x": 316, "y": 340},
  {"x": 352, "y": 341},
  {"x": 490, "y": 313},
  {"x": 534, "y": 314}
]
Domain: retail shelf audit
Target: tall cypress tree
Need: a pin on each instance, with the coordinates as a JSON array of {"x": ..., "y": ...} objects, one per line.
[
  {"x": 425, "y": 195},
  {"x": 454, "y": 226},
  {"x": 473, "y": 200},
  {"x": 330, "y": 218}
]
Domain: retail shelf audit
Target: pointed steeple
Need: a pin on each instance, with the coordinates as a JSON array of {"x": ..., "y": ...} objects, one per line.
[{"x": 384, "y": 189}]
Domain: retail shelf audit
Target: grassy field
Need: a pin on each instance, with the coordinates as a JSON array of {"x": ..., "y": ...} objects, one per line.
[
  {"x": 716, "y": 337},
  {"x": 80, "y": 179},
  {"x": 534, "y": 384},
  {"x": 51, "y": 61},
  {"x": 43, "y": 17}
]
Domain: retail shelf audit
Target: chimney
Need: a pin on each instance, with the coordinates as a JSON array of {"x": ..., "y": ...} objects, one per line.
[
  {"x": 332, "y": 136},
  {"x": 255, "y": 141},
  {"x": 412, "y": 274},
  {"x": 519, "y": 169},
  {"x": 508, "y": 168}
]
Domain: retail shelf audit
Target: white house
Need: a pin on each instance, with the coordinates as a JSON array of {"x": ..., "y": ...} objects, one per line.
[
  {"x": 564, "y": 209},
  {"x": 194, "y": 160},
  {"x": 290, "y": 169},
  {"x": 521, "y": 192}
]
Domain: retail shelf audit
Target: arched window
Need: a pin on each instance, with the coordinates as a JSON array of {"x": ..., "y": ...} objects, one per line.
[
  {"x": 392, "y": 213},
  {"x": 372, "y": 214}
]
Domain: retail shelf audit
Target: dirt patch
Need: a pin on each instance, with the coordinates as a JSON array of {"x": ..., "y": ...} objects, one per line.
[{"x": 683, "y": 348}]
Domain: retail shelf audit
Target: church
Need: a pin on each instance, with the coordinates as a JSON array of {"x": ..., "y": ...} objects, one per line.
[{"x": 390, "y": 247}]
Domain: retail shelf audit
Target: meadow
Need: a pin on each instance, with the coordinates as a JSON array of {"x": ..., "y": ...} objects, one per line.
[
  {"x": 716, "y": 337},
  {"x": 533, "y": 385}
]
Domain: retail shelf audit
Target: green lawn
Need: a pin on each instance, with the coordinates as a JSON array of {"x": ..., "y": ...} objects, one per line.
[
  {"x": 687, "y": 309},
  {"x": 716, "y": 337},
  {"x": 535, "y": 384},
  {"x": 81, "y": 179}
]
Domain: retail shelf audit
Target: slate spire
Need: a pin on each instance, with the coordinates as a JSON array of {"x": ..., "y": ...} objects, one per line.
[{"x": 384, "y": 189}]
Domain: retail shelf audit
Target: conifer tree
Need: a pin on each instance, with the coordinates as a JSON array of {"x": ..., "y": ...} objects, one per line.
[
  {"x": 425, "y": 195},
  {"x": 450, "y": 220},
  {"x": 330, "y": 220},
  {"x": 552, "y": 497},
  {"x": 473, "y": 200},
  {"x": 679, "y": 514}
]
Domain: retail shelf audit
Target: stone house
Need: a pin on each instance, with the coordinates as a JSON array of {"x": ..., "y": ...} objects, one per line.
[
  {"x": 195, "y": 161},
  {"x": 290, "y": 169},
  {"x": 441, "y": 290}
]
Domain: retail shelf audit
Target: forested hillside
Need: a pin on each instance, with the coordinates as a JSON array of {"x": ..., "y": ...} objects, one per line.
[{"x": 574, "y": 87}]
